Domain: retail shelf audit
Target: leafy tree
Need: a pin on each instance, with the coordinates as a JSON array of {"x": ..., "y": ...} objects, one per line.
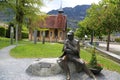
[
  {"x": 109, "y": 19},
  {"x": 90, "y": 21},
  {"x": 23, "y": 9},
  {"x": 103, "y": 18},
  {"x": 35, "y": 24},
  {"x": 81, "y": 31}
]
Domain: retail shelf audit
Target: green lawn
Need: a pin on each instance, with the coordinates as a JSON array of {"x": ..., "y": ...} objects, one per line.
[
  {"x": 4, "y": 42},
  {"x": 39, "y": 50}
]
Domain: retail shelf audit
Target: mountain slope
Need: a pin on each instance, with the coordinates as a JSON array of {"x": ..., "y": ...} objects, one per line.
[{"x": 74, "y": 15}]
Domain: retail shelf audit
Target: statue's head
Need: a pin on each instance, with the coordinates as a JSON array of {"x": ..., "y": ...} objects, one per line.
[{"x": 70, "y": 35}]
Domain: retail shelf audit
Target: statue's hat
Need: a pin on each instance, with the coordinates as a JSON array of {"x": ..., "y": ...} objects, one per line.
[{"x": 70, "y": 32}]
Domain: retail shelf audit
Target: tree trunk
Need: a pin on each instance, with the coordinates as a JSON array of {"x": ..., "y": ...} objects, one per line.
[
  {"x": 108, "y": 41},
  {"x": 19, "y": 18},
  {"x": 92, "y": 36},
  {"x": 35, "y": 36},
  {"x": 30, "y": 34},
  {"x": 19, "y": 31}
]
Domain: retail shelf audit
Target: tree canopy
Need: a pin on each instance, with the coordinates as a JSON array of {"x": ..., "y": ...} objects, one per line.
[
  {"x": 23, "y": 9},
  {"x": 103, "y": 18}
]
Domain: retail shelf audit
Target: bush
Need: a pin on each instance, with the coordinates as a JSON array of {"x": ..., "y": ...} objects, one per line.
[
  {"x": 8, "y": 33},
  {"x": 24, "y": 35},
  {"x": 117, "y": 39},
  {"x": 2, "y": 32}
]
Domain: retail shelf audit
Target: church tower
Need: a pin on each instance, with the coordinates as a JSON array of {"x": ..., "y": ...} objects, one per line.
[{"x": 60, "y": 10}]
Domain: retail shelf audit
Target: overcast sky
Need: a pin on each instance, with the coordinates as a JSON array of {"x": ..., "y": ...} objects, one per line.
[{"x": 55, "y": 4}]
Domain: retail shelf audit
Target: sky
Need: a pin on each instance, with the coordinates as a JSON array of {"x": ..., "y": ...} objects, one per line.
[{"x": 55, "y": 4}]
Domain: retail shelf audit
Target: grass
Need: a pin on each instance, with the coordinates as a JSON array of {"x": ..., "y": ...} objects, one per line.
[
  {"x": 4, "y": 42},
  {"x": 38, "y": 50},
  {"x": 105, "y": 62},
  {"x": 30, "y": 50}
]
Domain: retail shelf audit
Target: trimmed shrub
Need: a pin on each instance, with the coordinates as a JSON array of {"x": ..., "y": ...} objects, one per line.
[
  {"x": 8, "y": 33},
  {"x": 2, "y": 32},
  {"x": 8, "y": 30},
  {"x": 24, "y": 35},
  {"x": 117, "y": 39}
]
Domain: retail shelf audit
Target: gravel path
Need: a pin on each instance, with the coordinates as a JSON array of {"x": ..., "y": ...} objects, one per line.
[{"x": 14, "y": 69}]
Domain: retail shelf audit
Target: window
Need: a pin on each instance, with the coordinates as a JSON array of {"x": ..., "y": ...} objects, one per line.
[
  {"x": 38, "y": 33},
  {"x": 60, "y": 34},
  {"x": 50, "y": 34},
  {"x": 46, "y": 33}
]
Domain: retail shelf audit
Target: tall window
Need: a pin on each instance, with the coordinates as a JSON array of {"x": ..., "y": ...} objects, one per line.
[
  {"x": 38, "y": 33},
  {"x": 50, "y": 34},
  {"x": 56, "y": 32},
  {"x": 46, "y": 33},
  {"x": 60, "y": 34}
]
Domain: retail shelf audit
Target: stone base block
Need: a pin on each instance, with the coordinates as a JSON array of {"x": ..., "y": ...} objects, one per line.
[{"x": 47, "y": 67}]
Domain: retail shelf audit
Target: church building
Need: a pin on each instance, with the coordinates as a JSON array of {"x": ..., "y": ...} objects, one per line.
[{"x": 55, "y": 26}]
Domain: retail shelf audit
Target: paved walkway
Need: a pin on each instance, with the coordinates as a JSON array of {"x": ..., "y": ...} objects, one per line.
[
  {"x": 14, "y": 69},
  {"x": 4, "y": 52},
  {"x": 114, "y": 52}
]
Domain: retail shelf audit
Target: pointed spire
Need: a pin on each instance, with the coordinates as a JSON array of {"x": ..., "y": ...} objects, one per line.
[{"x": 60, "y": 9}]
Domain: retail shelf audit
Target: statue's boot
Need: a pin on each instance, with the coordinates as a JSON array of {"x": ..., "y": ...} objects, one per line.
[
  {"x": 68, "y": 76},
  {"x": 64, "y": 65},
  {"x": 92, "y": 76},
  {"x": 88, "y": 72}
]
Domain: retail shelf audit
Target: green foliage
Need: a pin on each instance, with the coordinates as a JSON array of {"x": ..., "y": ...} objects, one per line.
[
  {"x": 24, "y": 28},
  {"x": 81, "y": 32},
  {"x": 68, "y": 29},
  {"x": 8, "y": 33},
  {"x": 93, "y": 62},
  {"x": 102, "y": 18},
  {"x": 117, "y": 39},
  {"x": 24, "y": 34},
  {"x": 37, "y": 20},
  {"x": 2, "y": 32},
  {"x": 23, "y": 9}
]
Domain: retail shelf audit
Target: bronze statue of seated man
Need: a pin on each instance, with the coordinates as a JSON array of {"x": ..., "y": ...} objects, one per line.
[{"x": 71, "y": 52}]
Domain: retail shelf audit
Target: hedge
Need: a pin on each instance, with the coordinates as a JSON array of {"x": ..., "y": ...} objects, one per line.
[
  {"x": 24, "y": 35},
  {"x": 117, "y": 39},
  {"x": 2, "y": 32}
]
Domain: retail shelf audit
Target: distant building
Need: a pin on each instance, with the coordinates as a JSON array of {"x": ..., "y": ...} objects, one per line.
[{"x": 56, "y": 25}]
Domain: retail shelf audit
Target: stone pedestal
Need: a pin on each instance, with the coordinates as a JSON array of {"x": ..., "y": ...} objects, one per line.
[{"x": 47, "y": 67}]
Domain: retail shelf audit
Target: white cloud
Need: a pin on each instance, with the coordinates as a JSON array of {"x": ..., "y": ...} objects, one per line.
[{"x": 55, "y": 4}]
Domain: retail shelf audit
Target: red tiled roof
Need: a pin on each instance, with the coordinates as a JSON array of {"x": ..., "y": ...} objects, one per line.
[{"x": 54, "y": 21}]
